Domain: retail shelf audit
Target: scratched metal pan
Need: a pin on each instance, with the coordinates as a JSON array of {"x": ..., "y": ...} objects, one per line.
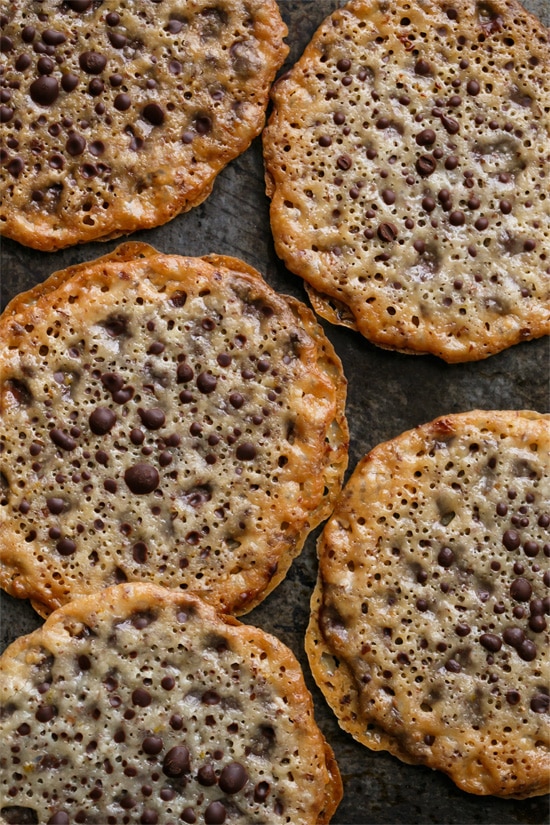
[{"x": 388, "y": 393}]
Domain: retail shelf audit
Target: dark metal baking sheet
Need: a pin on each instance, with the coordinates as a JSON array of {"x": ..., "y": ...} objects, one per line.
[{"x": 388, "y": 393}]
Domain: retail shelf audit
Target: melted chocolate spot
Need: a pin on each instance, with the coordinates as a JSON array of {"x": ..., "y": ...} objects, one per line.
[{"x": 142, "y": 478}]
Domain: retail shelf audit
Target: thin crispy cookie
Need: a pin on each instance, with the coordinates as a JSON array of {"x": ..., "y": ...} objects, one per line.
[
  {"x": 165, "y": 419},
  {"x": 407, "y": 161},
  {"x": 146, "y": 704},
  {"x": 117, "y": 117},
  {"x": 428, "y": 632}
]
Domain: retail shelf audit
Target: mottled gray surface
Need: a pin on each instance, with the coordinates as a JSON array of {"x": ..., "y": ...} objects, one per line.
[{"x": 388, "y": 393}]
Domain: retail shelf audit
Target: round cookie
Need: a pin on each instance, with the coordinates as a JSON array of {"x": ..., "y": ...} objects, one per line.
[
  {"x": 429, "y": 630},
  {"x": 163, "y": 419},
  {"x": 146, "y": 706},
  {"x": 406, "y": 160},
  {"x": 119, "y": 117}
]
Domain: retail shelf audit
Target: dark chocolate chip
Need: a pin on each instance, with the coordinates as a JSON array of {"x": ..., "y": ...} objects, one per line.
[
  {"x": 142, "y": 478},
  {"x": 53, "y": 38},
  {"x": 422, "y": 67},
  {"x": 45, "y": 713},
  {"x": 79, "y": 5},
  {"x": 101, "y": 420},
  {"x": 473, "y": 87},
  {"x": 450, "y": 125},
  {"x": 344, "y": 162},
  {"x": 246, "y": 451},
  {"x": 426, "y": 137},
  {"x": 521, "y": 590},
  {"x": 527, "y": 650},
  {"x": 44, "y": 90},
  {"x": 206, "y": 382},
  {"x": 45, "y": 65},
  {"x": 215, "y": 813},
  {"x": 141, "y": 697},
  {"x": 445, "y": 557},
  {"x": 176, "y": 762},
  {"x": 184, "y": 373},
  {"x": 65, "y": 547},
  {"x": 152, "y": 745},
  {"x": 152, "y": 418},
  {"x": 75, "y": 144},
  {"x": 117, "y": 40},
  {"x": 425, "y": 165},
  {"x": 59, "y": 818},
  {"x": 154, "y": 114},
  {"x": 55, "y": 505},
  {"x": 69, "y": 81},
  {"x": 513, "y": 636},
  {"x": 457, "y": 218},
  {"x": 490, "y": 642},
  {"x": 233, "y": 778},
  {"x": 206, "y": 775},
  {"x": 387, "y": 232},
  {"x": 62, "y": 439},
  {"x": 92, "y": 62}
]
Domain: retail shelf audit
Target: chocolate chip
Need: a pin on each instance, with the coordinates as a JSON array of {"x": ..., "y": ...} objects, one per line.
[
  {"x": 236, "y": 400},
  {"x": 141, "y": 697},
  {"x": 387, "y": 232},
  {"x": 521, "y": 590},
  {"x": 152, "y": 418},
  {"x": 428, "y": 204},
  {"x": 457, "y": 218},
  {"x": 344, "y": 162},
  {"x": 527, "y": 650},
  {"x": 176, "y": 762},
  {"x": 233, "y": 778},
  {"x": 6, "y": 44},
  {"x": 344, "y": 64},
  {"x": 261, "y": 791},
  {"x": 79, "y": 5},
  {"x": 44, "y": 90},
  {"x": 45, "y": 713},
  {"x": 154, "y": 114},
  {"x": 206, "y": 382},
  {"x": 450, "y": 125},
  {"x": 184, "y": 373},
  {"x": 325, "y": 140},
  {"x": 481, "y": 224},
  {"x": 65, "y": 547},
  {"x": 75, "y": 144},
  {"x": 425, "y": 165},
  {"x": 149, "y": 817},
  {"x": 69, "y": 81},
  {"x": 210, "y": 697},
  {"x": 445, "y": 557},
  {"x": 142, "y": 478},
  {"x": 152, "y": 744},
  {"x": 490, "y": 642},
  {"x": 462, "y": 629},
  {"x": 388, "y": 196},
  {"x": 96, "y": 86},
  {"x": 215, "y": 813},
  {"x": 422, "y": 67},
  {"x": 55, "y": 505},
  {"x": 206, "y": 775},
  {"x": 53, "y": 38},
  {"x": 92, "y": 62},
  {"x": 62, "y": 439},
  {"x": 102, "y": 420},
  {"x": 188, "y": 815},
  {"x": 426, "y": 137},
  {"x": 45, "y": 65},
  {"x": 513, "y": 636},
  {"x": 246, "y": 451},
  {"x": 473, "y": 87},
  {"x": 117, "y": 40}
]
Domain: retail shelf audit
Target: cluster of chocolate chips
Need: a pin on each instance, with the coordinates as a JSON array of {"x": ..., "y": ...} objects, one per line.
[
  {"x": 522, "y": 600},
  {"x": 436, "y": 151}
]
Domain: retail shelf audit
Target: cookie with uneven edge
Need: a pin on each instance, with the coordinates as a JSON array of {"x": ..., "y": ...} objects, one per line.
[
  {"x": 406, "y": 159},
  {"x": 147, "y": 704},
  {"x": 429, "y": 631},
  {"x": 163, "y": 419},
  {"x": 119, "y": 117}
]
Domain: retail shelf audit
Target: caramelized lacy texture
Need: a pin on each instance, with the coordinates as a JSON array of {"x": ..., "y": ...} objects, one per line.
[
  {"x": 146, "y": 705},
  {"x": 163, "y": 419},
  {"x": 429, "y": 629},
  {"x": 117, "y": 117},
  {"x": 407, "y": 162}
]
